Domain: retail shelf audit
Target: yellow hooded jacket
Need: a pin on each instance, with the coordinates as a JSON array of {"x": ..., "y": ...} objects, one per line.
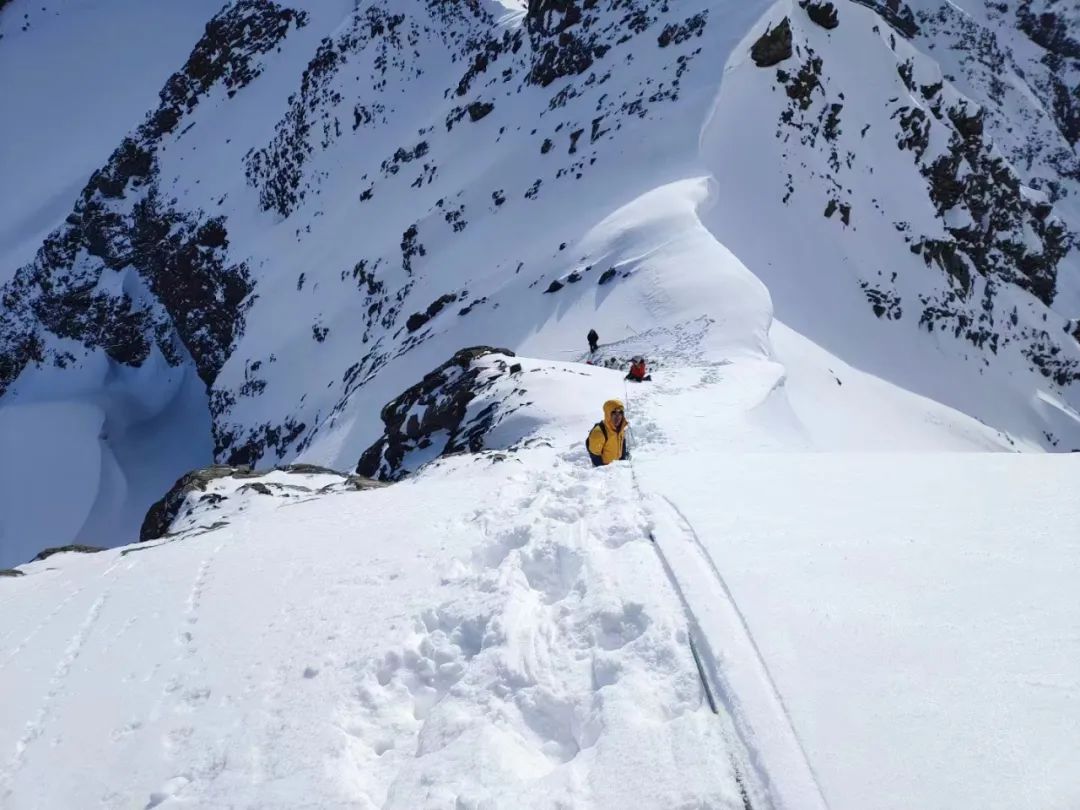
[{"x": 611, "y": 447}]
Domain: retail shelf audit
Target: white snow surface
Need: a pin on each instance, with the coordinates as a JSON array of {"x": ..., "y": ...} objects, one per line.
[
  {"x": 821, "y": 534},
  {"x": 701, "y": 206},
  {"x": 513, "y": 629}
]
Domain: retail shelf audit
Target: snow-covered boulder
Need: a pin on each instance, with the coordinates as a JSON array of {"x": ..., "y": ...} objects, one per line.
[{"x": 208, "y": 497}]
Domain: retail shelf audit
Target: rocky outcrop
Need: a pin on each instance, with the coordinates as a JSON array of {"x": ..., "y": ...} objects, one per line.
[
  {"x": 431, "y": 418},
  {"x": 128, "y": 270},
  {"x": 74, "y": 548},
  {"x": 161, "y": 515},
  {"x": 1017, "y": 239},
  {"x": 1050, "y": 30},
  {"x": 562, "y": 46},
  {"x": 201, "y": 498},
  {"x": 822, "y": 13},
  {"x": 774, "y": 46},
  {"x": 896, "y": 13},
  {"x": 568, "y": 36}
]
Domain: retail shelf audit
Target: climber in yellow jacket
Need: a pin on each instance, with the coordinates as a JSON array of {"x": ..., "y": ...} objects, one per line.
[{"x": 607, "y": 439}]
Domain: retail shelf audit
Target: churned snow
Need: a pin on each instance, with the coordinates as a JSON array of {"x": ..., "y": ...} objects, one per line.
[
  {"x": 514, "y": 630},
  {"x": 814, "y": 586}
]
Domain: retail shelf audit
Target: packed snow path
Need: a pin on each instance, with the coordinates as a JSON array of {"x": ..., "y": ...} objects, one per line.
[
  {"x": 499, "y": 630},
  {"x": 541, "y": 659}
]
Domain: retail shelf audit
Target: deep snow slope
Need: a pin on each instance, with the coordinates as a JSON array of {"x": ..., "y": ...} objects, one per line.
[
  {"x": 512, "y": 628},
  {"x": 404, "y": 647},
  {"x": 327, "y": 201}
]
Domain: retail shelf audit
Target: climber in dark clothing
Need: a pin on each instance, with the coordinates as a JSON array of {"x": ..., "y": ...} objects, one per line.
[{"x": 594, "y": 340}]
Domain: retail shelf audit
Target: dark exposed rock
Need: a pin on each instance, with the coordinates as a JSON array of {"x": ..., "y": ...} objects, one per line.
[
  {"x": 676, "y": 34},
  {"x": 896, "y": 13},
  {"x": 479, "y": 109},
  {"x": 359, "y": 483},
  {"x": 557, "y": 51},
  {"x": 161, "y": 515},
  {"x": 554, "y": 286},
  {"x": 225, "y": 54},
  {"x": 914, "y": 130},
  {"x": 774, "y": 46},
  {"x": 247, "y": 447},
  {"x": 946, "y": 256},
  {"x": 276, "y": 170},
  {"x": 607, "y": 276},
  {"x": 11, "y": 572},
  {"x": 75, "y": 548},
  {"x": 568, "y": 36},
  {"x": 971, "y": 177},
  {"x": 553, "y": 16},
  {"x": 122, "y": 223},
  {"x": 434, "y": 410},
  {"x": 800, "y": 87},
  {"x": 307, "y": 469},
  {"x": 822, "y": 13},
  {"x": 418, "y": 319},
  {"x": 1051, "y": 31},
  {"x": 883, "y": 302},
  {"x": 1048, "y": 30},
  {"x": 256, "y": 486}
]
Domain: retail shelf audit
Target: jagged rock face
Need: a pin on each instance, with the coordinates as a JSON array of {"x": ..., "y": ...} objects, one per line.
[
  {"x": 432, "y": 418},
  {"x": 896, "y": 13},
  {"x": 160, "y": 517},
  {"x": 1039, "y": 138},
  {"x": 991, "y": 233},
  {"x": 1048, "y": 24},
  {"x": 774, "y": 46},
  {"x": 824, "y": 14},
  {"x": 377, "y": 118},
  {"x": 128, "y": 271},
  {"x": 208, "y": 497}
]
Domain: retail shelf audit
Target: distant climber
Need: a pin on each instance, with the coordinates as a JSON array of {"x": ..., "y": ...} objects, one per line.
[
  {"x": 637, "y": 371},
  {"x": 594, "y": 341},
  {"x": 607, "y": 439}
]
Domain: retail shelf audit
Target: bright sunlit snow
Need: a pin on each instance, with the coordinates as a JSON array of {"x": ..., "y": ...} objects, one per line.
[{"x": 839, "y": 570}]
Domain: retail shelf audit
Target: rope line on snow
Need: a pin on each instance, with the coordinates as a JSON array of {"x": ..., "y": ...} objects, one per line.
[
  {"x": 700, "y": 670},
  {"x": 705, "y": 664},
  {"x": 693, "y": 631}
]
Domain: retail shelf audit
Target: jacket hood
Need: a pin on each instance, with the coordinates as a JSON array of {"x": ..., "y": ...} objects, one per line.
[{"x": 612, "y": 405}]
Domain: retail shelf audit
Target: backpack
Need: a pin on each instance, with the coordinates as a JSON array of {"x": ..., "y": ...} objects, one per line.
[{"x": 603, "y": 429}]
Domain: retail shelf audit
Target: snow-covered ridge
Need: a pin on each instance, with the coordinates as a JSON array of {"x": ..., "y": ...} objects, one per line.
[
  {"x": 516, "y": 629},
  {"x": 331, "y": 200}
]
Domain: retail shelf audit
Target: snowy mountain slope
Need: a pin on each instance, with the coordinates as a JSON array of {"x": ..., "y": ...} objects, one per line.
[
  {"x": 284, "y": 262},
  {"x": 937, "y": 249},
  {"x": 420, "y": 646},
  {"x": 533, "y": 656},
  {"x": 329, "y": 201},
  {"x": 74, "y": 78}
]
